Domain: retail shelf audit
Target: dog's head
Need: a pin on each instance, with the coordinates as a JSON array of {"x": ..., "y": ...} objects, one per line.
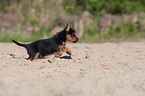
[{"x": 70, "y": 34}]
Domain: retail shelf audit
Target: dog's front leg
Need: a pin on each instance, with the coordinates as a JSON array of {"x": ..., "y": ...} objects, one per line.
[
  {"x": 58, "y": 54},
  {"x": 67, "y": 50}
]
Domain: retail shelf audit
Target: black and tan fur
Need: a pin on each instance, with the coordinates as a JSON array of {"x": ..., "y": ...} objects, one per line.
[{"x": 55, "y": 44}]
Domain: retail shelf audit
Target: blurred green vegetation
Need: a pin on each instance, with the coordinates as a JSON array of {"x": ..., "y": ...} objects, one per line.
[
  {"x": 22, "y": 38},
  {"x": 101, "y": 7},
  {"x": 126, "y": 32},
  {"x": 98, "y": 8}
]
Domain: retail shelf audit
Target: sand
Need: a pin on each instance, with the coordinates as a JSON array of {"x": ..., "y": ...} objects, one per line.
[{"x": 106, "y": 69}]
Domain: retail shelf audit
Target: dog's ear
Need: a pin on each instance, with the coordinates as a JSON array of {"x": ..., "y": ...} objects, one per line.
[{"x": 67, "y": 28}]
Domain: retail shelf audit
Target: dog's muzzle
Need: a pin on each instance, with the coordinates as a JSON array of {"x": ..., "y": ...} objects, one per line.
[{"x": 76, "y": 40}]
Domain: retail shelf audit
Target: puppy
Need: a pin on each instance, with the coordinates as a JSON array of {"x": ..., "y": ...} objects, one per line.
[{"x": 56, "y": 44}]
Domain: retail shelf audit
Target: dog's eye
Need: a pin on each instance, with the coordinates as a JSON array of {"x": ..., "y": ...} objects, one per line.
[{"x": 73, "y": 35}]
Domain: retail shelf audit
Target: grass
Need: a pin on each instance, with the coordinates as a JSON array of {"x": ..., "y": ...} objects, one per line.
[
  {"x": 90, "y": 36},
  {"x": 113, "y": 37},
  {"x": 22, "y": 38},
  {"x": 85, "y": 38}
]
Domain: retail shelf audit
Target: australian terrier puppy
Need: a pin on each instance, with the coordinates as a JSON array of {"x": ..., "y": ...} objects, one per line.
[{"x": 56, "y": 44}]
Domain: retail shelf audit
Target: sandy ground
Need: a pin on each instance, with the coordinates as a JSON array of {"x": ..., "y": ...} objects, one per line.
[{"x": 106, "y": 69}]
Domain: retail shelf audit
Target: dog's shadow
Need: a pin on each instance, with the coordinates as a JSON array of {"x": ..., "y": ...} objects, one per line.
[
  {"x": 63, "y": 57},
  {"x": 66, "y": 57}
]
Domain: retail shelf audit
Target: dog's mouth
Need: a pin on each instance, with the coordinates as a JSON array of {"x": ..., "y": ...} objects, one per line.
[{"x": 75, "y": 40}]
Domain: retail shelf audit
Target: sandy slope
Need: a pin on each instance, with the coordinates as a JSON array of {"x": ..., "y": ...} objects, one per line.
[{"x": 107, "y": 69}]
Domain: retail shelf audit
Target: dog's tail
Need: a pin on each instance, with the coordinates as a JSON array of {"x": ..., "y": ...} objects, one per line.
[{"x": 20, "y": 44}]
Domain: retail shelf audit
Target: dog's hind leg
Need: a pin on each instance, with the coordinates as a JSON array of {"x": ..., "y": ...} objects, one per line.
[{"x": 34, "y": 56}]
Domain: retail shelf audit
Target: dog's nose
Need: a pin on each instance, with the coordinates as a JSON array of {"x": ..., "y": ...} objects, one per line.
[{"x": 76, "y": 40}]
